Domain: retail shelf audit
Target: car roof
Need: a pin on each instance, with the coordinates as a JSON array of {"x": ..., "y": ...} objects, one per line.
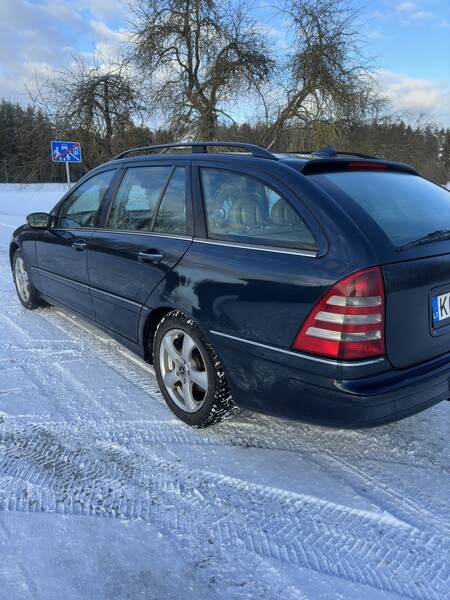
[{"x": 304, "y": 161}]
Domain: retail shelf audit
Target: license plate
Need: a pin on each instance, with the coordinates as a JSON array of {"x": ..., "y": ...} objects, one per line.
[{"x": 441, "y": 308}]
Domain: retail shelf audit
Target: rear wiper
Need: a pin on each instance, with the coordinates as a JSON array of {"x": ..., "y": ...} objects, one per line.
[{"x": 434, "y": 236}]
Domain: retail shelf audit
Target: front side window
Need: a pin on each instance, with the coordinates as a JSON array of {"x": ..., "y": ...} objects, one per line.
[
  {"x": 81, "y": 207},
  {"x": 243, "y": 208},
  {"x": 150, "y": 199}
]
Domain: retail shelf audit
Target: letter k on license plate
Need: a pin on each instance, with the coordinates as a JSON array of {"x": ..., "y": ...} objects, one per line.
[{"x": 441, "y": 308}]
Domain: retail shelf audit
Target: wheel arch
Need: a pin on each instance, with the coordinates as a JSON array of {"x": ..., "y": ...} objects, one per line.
[
  {"x": 150, "y": 327},
  {"x": 154, "y": 319},
  {"x": 14, "y": 246}
]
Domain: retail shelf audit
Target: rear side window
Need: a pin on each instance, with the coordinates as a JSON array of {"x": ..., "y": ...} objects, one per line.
[
  {"x": 244, "y": 209},
  {"x": 406, "y": 207},
  {"x": 171, "y": 215}
]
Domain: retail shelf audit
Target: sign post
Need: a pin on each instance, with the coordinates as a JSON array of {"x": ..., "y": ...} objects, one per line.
[{"x": 66, "y": 152}]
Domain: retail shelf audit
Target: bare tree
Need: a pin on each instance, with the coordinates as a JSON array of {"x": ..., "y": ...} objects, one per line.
[
  {"x": 101, "y": 99},
  {"x": 325, "y": 66},
  {"x": 96, "y": 98},
  {"x": 199, "y": 55}
]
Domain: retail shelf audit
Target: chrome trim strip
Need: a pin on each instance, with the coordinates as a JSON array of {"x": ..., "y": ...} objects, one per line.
[
  {"x": 168, "y": 236},
  {"x": 94, "y": 230},
  {"x": 276, "y": 249},
  {"x": 335, "y": 363}
]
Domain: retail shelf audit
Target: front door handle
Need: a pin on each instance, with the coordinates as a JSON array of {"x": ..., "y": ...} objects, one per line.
[
  {"x": 79, "y": 245},
  {"x": 150, "y": 256}
]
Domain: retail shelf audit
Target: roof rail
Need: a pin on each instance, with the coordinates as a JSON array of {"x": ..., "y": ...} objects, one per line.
[{"x": 202, "y": 147}]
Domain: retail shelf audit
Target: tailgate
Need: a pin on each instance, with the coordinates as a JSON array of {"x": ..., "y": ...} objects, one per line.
[{"x": 417, "y": 310}]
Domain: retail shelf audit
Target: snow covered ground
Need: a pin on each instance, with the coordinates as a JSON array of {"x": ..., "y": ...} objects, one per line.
[{"x": 105, "y": 495}]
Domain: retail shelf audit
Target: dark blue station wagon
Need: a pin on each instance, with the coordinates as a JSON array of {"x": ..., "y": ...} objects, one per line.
[{"x": 314, "y": 286}]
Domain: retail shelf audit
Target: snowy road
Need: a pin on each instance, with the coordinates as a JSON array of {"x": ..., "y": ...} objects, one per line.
[{"x": 104, "y": 494}]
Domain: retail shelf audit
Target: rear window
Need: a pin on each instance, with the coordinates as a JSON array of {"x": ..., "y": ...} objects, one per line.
[{"x": 406, "y": 207}]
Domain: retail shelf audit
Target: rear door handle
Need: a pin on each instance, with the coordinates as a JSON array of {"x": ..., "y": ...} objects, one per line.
[
  {"x": 79, "y": 245},
  {"x": 150, "y": 256}
]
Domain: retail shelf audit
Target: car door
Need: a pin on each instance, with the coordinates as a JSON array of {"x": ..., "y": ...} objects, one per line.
[
  {"x": 146, "y": 232},
  {"x": 61, "y": 250}
]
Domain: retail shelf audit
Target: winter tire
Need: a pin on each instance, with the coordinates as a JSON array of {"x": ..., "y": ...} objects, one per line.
[
  {"x": 189, "y": 373},
  {"x": 24, "y": 286}
]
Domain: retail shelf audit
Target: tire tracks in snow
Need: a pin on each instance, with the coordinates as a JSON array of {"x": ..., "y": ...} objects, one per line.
[
  {"x": 112, "y": 353},
  {"x": 86, "y": 475},
  {"x": 132, "y": 435}
]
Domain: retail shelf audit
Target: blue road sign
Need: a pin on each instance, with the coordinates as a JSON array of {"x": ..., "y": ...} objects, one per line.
[{"x": 66, "y": 152}]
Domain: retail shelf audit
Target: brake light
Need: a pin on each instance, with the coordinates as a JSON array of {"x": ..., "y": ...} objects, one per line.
[
  {"x": 366, "y": 165},
  {"x": 348, "y": 321}
]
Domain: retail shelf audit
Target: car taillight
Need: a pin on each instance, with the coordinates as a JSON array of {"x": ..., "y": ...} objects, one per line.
[{"x": 348, "y": 321}]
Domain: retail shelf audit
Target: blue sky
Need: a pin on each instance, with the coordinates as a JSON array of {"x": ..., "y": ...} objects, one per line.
[
  {"x": 411, "y": 40},
  {"x": 411, "y": 37}
]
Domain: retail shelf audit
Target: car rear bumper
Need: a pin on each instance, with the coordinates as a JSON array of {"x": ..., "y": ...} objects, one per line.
[{"x": 350, "y": 395}]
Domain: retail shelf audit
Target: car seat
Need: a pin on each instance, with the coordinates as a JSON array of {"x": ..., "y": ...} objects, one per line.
[{"x": 245, "y": 213}]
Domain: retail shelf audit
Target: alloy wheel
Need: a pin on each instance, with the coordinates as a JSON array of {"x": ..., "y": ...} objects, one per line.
[{"x": 183, "y": 370}]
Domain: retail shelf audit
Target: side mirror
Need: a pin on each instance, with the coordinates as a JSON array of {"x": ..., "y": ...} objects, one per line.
[{"x": 39, "y": 220}]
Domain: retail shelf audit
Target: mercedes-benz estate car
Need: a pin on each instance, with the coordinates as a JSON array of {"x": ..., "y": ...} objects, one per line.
[{"x": 314, "y": 286}]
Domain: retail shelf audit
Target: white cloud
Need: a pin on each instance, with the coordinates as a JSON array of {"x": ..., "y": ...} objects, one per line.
[
  {"x": 418, "y": 96},
  {"x": 410, "y": 13},
  {"x": 104, "y": 34},
  {"x": 378, "y": 35},
  {"x": 406, "y": 7},
  {"x": 61, "y": 11},
  {"x": 105, "y": 10},
  {"x": 381, "y": 16},
  {"x": 443, "y": 25},
  {"x": 420, "y": 16},
  {"x": 38, "y": 39}
]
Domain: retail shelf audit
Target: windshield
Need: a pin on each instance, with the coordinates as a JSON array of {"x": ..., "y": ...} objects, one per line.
[{"x": 406, "y": 207}]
